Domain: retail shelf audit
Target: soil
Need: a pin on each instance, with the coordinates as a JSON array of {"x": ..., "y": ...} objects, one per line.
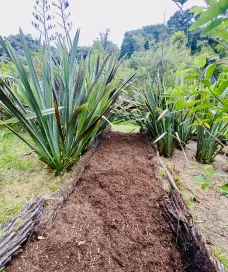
[{"x": 112, "y": 221}]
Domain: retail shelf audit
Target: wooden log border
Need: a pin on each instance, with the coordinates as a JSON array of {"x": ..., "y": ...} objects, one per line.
[{"x": 188, "y": 237}]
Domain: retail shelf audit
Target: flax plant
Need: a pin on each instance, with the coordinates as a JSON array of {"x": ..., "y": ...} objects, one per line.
[
  {"x": 157, "y": 116},
  {"x": 211, "y": 135},
  {"x": 61, "y": 107}
]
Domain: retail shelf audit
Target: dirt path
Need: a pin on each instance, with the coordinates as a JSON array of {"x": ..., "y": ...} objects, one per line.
[{"x": 112, "y": 222}]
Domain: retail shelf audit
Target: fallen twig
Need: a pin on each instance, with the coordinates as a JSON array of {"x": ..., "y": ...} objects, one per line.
[{"x": 169, "y": 176}]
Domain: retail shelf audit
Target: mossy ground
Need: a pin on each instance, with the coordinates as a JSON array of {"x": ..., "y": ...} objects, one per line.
[{"x": 22, "y": 175}]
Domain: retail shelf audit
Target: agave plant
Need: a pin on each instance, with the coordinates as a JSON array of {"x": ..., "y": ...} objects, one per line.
[{"x": 61, "y": 107}]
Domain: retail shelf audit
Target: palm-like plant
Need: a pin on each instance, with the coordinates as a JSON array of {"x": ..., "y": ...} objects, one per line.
[{"x": 62, "y": 107}]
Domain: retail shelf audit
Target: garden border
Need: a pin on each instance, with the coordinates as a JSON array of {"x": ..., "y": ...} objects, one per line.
[{"x": 188, "y": 237}]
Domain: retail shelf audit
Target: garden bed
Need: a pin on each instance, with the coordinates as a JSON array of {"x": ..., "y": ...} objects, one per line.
[
  {"x": 114, "y": 219},
  {"x": 112, "y": 222}
]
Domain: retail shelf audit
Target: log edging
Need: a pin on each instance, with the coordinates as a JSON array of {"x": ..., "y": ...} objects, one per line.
[{"x": 188, "y": 236}]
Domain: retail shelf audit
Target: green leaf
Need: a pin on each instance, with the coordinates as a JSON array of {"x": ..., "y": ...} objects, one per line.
[
  {"x": 202, "y": 106},
  {"x": 160, "y": 137},
  {"x": 223, "y": 4},
  {"x": 212, "y": 26},
  {"x": 198, "y": 179},
  {"x": 224, "y": 193},
  {"x": 218, "y": 47},
  {"x": 200, "y": 61},
  {"x": 206, "y": 17},
  {"x": 29, "y": 116},
  {"x": 189, "y": 70},
  {"x": 223, "y": 189},
  {"x": 204, "y": 186},
  {"x": 206, "y": 83},
  {"x": 222, "y": 87},
  {"x": 207, "y": 167},
  {"x": 190, "y": 77},
  {"x": 209, "y": 71},
  {"x": 206, "y": 125},
  {"x": 196, "y": 10}
]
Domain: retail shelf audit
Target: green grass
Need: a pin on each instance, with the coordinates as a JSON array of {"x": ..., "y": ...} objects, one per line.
[
  {"x": 22, "y": 175},
  {"x": 126, "y": 126},
  {"x": 13, "y": 152},
  {"x": 221, "y": 256}
]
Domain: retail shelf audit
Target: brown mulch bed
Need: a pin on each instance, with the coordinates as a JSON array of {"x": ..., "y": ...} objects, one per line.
[{"x": 112, "y": 221}]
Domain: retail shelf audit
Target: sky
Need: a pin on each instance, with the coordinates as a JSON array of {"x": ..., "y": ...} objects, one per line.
[{"x": 93, "y": 16}]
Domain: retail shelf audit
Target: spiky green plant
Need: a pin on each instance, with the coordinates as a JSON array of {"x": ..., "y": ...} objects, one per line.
[
  {"x": 183, "y": 127},
  {"x": 154, "y": 113},
  {"x": 179, "y": 96},
  {"x": 62, "y": 108},
  {"x": 165, "y": 112},
  {"x": 210, "y": 137}
]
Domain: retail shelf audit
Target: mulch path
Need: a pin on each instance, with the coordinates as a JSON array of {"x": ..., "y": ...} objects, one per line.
[{"x": 112, "y": 222}]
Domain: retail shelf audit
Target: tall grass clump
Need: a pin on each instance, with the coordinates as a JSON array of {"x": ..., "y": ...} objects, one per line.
[{"x": 62, "y": 104}]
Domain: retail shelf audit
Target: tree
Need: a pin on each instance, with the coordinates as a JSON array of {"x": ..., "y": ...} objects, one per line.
[
  {"x": 135, "y": 40},
  {"x": 82, "y": 52},
  {"x": 128, "y": 44},
  {"x": 104, "y": 38},
  {"x": 164, "y": 59},
  {"x": 33, "y": 45},
  {"x": 180, "y": 21},
  {"x": 146, "y": 46},
  {"x": 179, "y": 39},
  {"x": 155, "y": 32},
  {"x": 103, "y": 44}
]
